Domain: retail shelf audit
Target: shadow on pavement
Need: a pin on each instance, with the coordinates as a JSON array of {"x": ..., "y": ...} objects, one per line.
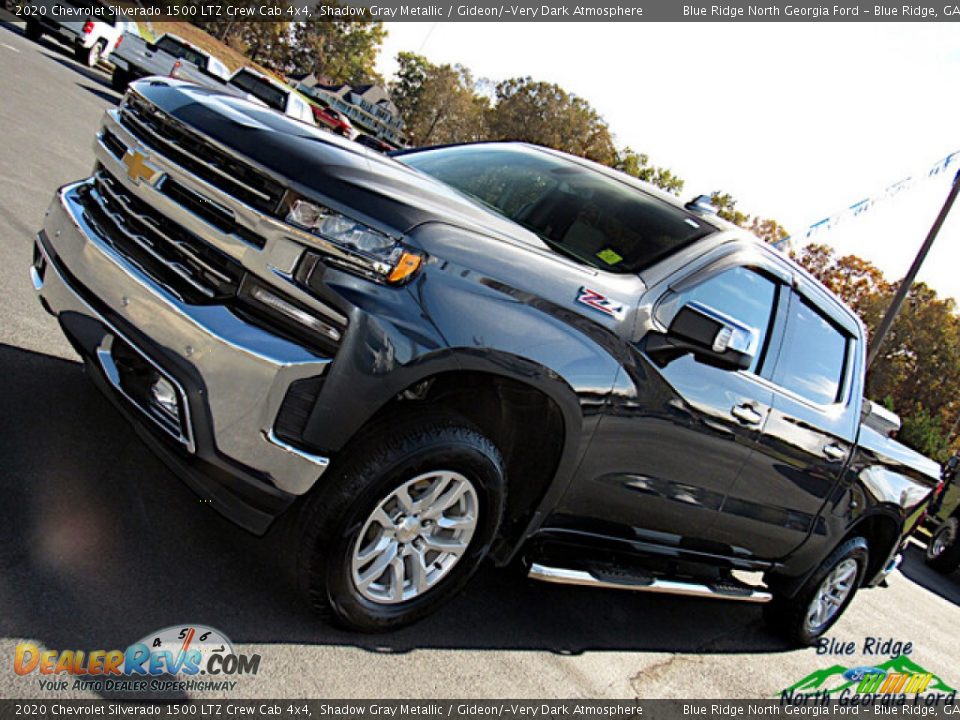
[
  {"x": 100, "y": 545},
  {"x": 111, "y": 97},
  {"x": 61, "y": 53},
  {"x": 946, "y": 586}
]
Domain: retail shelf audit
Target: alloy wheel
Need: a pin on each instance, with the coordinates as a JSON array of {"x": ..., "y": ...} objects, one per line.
[{"x": 414, "y": 537}]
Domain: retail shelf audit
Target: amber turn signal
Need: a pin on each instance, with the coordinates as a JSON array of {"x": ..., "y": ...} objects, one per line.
[{"x": 408, "y": 264}]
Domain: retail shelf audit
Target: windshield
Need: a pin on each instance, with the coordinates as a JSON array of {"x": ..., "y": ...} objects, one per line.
[
  {"x": 261, "y": 88},
  {"x": 179, "y": 50},
  {"x": 578, "y": 211}
]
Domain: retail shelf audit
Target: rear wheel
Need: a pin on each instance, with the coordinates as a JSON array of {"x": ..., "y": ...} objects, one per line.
[
  {"x": 822, "y": 599},
  {"x": 403, "y": 523},
  {"x": 33, "y": 31},
  {"x": 943, "y": 550},
  {"x": 90, "y": 56}
]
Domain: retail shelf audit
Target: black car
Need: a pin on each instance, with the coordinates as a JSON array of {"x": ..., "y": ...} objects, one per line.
[{"x": 480, "y": 351}]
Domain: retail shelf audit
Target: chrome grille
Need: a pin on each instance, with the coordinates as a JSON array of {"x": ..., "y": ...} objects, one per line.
[
  {"x": 184, "y": 264},
  {"x": 197, "y": 155}
]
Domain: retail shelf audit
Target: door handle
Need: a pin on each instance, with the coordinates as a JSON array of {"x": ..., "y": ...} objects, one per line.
[
  {"x": 834, "y": 451},
  {"x": 746, "y": 414}
]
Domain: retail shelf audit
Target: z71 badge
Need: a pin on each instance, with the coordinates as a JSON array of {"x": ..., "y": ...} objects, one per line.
[{"x": 598, "y": 301}]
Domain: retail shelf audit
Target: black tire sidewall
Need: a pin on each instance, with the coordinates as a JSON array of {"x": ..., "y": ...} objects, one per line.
[
  {"x": 448, "y": 448},
  {"x": 788, "y": 615},
  {"x": 949, "y": 559},
  {"x": 33, "y": 31}
]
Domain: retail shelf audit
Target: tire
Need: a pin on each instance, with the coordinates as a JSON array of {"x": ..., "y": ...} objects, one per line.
[
  {"x": 119, "y": 80},
  {"x": 33, "y": 31},
  {"x": 90, "y": 56},
  {"x": 943, "y": 550},
  {"x": 792, "y": 616},
  {"x": 336, "y": 527}
]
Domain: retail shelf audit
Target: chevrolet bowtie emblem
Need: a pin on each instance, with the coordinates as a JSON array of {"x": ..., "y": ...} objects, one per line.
[{"x": 139, "y": 169}]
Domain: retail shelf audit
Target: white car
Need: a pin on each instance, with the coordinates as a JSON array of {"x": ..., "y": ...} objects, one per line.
[
  {"x": 274, "y": 94},
  {"x": 90, "y": 27}
]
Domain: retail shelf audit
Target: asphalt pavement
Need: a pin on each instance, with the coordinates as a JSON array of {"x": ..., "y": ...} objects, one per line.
[{"x": 100, "y": 545}]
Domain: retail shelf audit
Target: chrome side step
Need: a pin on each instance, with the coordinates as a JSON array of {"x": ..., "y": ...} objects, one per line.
[{"x": 565, "y": 576}]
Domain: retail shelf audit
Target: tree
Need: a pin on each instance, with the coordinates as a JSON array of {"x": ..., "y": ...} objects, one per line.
[
  {"x": 546, "y": 114},
  {"x": 438, "y": 102},
  {"x": 342, "y": 51},
  {"x": 767, "y": 229},
  {"x": 727, "y": 209},
  {"x": 860, "y": 283},
  {"x": 638, "y": 165}
]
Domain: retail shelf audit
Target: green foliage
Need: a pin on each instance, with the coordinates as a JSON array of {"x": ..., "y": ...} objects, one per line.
[
  {"x": 339, "y": 50},
  {"x": 638, "y": 165},
  {"x": 439, "y": 103},
  {"x": 925, "y": 434},
  {"x": 546, "y": 114}
]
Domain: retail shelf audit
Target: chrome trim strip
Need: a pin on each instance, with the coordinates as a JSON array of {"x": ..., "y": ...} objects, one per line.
[
  {"x": 284, "y": 243},
  {"x": 142, "y": 243},
  {"x": 228, "y": 352},
  {"x": 318, "y": 460},
  {"x": 125, "y": 113},
  {"x": 180, "y": 245},
  {"x": 110, "y": 368},
  {"x": 565, "y": 576}
]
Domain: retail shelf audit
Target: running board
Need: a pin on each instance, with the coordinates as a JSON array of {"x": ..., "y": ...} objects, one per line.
[{"x": 622, "y": 581}]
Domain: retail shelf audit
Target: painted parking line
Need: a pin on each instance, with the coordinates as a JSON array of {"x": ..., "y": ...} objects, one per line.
[{"x": 10, "y": 47}]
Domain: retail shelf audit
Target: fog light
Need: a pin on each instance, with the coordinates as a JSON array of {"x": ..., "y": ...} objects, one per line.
[{"x": 164, "y": 397}]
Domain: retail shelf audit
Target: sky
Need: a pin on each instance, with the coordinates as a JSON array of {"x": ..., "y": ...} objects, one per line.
[{"x": 796, "y": 120}]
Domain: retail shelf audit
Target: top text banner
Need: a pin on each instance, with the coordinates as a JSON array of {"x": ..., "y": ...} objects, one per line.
[{"x": 494, "y": 10}]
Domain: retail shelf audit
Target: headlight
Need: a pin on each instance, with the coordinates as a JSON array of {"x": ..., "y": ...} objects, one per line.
[{"x": 381, "y": 253}]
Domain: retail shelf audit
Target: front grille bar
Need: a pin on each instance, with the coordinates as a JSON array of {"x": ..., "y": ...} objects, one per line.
[
  {"x": 106, "y": 183},
  {"x": 133, "y": 119},
  {"x": 144, "y": 244}
]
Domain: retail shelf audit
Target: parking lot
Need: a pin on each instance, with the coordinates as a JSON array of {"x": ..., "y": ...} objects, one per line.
[{"x": 100, "y": 545}]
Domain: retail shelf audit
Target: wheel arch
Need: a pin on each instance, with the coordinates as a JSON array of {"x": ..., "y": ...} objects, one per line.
[{"x": 536, "y": 425}]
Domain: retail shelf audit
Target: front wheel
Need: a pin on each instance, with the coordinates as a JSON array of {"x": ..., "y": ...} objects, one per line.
[
  {"x": 822, "y": 599},
  {"x": 943, "y": 550},
  {"x": 408, "y": 516}
]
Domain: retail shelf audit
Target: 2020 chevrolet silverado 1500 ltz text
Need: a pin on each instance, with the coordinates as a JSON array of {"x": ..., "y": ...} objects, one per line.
[{"x": 461, "y": 352}]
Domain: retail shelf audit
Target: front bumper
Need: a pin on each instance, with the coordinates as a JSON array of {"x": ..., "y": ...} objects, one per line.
[{"x": 230, "y": 375}]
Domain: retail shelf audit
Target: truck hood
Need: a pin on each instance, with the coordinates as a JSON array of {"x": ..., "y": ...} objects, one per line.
[{"x": 318, "y": 163}]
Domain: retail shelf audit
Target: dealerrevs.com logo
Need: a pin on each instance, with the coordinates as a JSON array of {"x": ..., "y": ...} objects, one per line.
[{"x": 171, "y": 659}]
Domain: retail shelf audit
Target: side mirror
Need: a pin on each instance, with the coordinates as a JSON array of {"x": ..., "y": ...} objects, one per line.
[{"x": 711, "y": 336}]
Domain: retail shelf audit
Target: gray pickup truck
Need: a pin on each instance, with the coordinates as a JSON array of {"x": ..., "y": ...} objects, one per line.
[
  {"x": 479, "y": 351},
  {"x": 168, "y": 55}
]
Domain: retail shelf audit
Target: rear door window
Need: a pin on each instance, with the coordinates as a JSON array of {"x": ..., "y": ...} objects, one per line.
[{"x": 814, "y": 359}]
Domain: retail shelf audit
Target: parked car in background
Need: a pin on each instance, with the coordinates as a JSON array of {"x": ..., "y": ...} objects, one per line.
[
  {"x": 91, "y": 28},
  {"x": 334, "y": 120},
  {"x": 374, "y": 143},
  {"x": 943, "y": 522},
  {"x": 167, "y": 55},
  {"x": 492, "y": 350},
  {"x": 262, "y": 88}
]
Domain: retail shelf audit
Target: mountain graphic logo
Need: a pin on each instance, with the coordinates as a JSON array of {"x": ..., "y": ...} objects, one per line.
[{"x": 836, "y": 679}]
